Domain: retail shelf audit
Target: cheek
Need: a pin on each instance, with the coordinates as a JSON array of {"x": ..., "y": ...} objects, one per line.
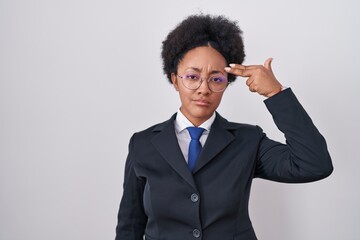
[
  {"x": 185, "y": 94},
  {"x": 217, "y": 98}
]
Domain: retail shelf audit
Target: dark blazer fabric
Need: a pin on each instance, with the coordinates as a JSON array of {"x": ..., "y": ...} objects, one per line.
[{"x": 163, "y": 200}]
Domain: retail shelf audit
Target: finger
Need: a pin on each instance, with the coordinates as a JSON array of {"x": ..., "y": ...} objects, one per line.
[
  {"x": 252, "y": 88},
  {"x": 240, "y": 66},
  {"x": 267, "y": 64},
  {"x": 249, "y": 81},
  {"x": 240, "y": 72}
]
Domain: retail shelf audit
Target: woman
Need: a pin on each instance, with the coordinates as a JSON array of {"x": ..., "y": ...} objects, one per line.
[{"x": 180, "y": 186}]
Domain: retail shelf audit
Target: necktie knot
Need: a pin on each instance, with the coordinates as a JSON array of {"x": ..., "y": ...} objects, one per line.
[{"x": 195, "y": 132}]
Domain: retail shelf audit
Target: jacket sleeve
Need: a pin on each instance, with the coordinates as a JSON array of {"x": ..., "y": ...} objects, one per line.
[
  {"x": 131, "y": 217},
  {"x": 304, "y": 157}
]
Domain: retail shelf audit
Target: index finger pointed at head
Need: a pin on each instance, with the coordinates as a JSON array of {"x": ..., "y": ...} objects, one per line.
[
  {"x": 238, "y": 66},
  {"x": 242, "y": 72}
]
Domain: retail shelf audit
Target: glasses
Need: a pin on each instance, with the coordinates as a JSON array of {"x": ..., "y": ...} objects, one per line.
[{"x": 216, "y": 83}]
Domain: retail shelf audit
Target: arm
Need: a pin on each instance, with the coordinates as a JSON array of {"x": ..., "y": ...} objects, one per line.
[
  {"x": 131, "y": 217},
  {"x": 305, "y": 157}
]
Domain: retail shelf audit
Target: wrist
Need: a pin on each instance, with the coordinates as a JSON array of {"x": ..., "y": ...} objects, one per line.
[{"x": 275, "y": 91}]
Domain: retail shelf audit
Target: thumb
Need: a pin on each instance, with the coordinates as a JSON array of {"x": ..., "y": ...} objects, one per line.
[{"x": 267, "y": 64}]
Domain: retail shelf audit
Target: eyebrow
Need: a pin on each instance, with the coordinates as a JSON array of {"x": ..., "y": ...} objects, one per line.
[{"x": 199, "y": 70}]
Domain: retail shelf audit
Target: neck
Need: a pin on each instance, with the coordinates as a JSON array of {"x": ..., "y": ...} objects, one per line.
[{"x": 196, "y": 121}]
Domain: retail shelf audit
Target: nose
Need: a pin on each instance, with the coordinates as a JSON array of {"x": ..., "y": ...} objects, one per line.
[{"x": 204, "y": 87}]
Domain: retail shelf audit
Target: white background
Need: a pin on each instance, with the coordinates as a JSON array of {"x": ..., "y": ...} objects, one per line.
[{"x": 78, "y": 77}]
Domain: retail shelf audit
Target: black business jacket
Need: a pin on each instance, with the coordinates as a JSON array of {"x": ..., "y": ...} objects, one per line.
[{"x": 163, "y": 200}]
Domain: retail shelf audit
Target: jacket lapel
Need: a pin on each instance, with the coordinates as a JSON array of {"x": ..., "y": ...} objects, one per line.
[
  {"x": 218, "y": 139},
  {"x": 167, "y": 144}
]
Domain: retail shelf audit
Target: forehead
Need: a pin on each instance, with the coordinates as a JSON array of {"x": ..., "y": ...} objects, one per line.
[{"x": 203, "y": 58}]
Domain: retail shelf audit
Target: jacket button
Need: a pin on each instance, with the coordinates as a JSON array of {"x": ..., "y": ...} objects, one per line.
[
  {"x": 194, "y": 197},
  {"x": 196, "y": 233}
]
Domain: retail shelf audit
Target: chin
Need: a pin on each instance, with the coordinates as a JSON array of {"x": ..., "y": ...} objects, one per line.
[{"x": 203, "y": 114}]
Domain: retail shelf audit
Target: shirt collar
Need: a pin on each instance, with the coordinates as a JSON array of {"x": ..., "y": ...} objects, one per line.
[{"x": 181, "y": 122}]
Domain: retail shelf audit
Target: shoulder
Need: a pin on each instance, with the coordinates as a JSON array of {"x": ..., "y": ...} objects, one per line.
[
  {"x": 154, "y": 129},
  {"x": 235, "y": 127},
  {"x": 223, "y": 122}
]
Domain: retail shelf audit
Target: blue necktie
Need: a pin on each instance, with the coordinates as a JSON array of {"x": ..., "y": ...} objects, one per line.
[{"x": 195, "y": 146}]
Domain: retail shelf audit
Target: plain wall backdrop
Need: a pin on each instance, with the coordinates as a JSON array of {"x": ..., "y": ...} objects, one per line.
[{"x": 78, "y": 78}]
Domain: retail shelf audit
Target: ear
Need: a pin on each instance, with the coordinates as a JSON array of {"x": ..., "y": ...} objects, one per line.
[{"x": 175, "y": 82}]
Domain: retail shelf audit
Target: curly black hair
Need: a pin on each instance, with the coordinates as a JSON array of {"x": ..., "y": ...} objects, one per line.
[{"x": 194, "y": 31}]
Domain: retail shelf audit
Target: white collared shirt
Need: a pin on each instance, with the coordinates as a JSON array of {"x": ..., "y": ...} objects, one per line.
[{"x": 183, "y": 136}]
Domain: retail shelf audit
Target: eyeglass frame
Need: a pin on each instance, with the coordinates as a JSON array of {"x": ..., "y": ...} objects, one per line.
[{"x": 201, "y": 81}]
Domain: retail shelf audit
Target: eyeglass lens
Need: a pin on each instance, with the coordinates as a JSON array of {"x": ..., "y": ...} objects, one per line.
[{"x": 216, "y": 83}]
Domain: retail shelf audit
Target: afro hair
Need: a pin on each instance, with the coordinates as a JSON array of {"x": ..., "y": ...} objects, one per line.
[{"x": 203, "y": 30}]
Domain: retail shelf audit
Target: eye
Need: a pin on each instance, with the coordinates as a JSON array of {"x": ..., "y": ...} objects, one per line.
[
  {"x": 191, "y": 76},
  {"x": 219, "y": 79}
]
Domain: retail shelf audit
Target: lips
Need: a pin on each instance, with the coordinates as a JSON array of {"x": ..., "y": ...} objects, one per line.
[{"x": 202, "y": 102}]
